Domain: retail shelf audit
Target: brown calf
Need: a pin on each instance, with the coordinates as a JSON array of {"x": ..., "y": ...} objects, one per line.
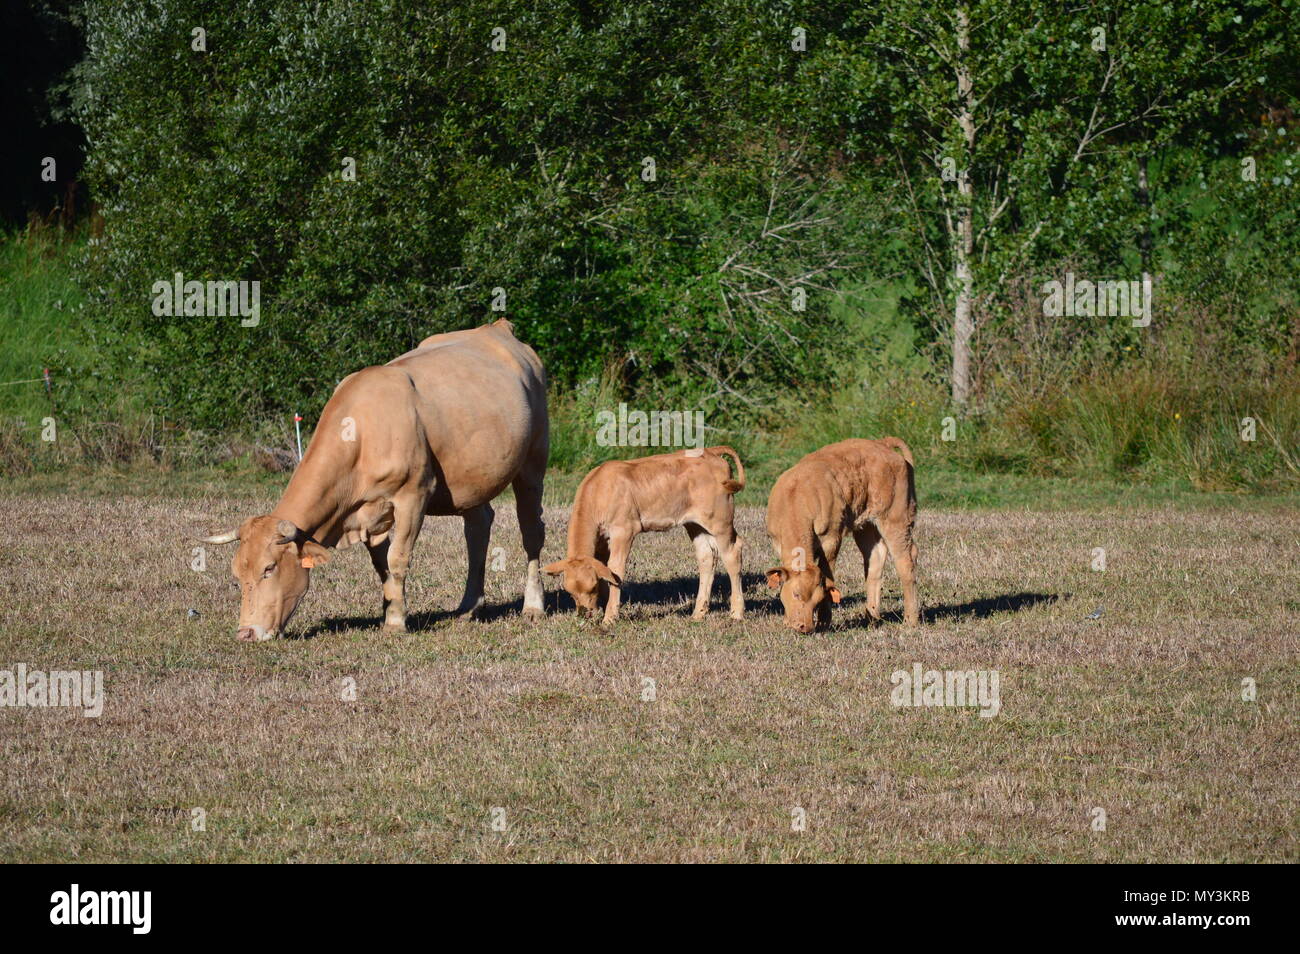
[
  {"x": 867, "y": 488},
  {"x": 622, "y": 498}
]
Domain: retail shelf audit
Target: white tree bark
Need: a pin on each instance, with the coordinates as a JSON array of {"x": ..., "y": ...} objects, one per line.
[{"x": 963, "y": 249}]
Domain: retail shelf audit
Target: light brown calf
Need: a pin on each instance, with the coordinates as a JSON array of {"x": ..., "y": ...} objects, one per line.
[
  {"x": 866, "y": 488},
  {"x": 622, "y": 498}
]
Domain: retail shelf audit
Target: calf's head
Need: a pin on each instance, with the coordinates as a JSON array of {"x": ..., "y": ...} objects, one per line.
[
  {"x": 803, "y": 596},
  {"x": 272, "y": 567},
  {"x": 582, "y": 578}
]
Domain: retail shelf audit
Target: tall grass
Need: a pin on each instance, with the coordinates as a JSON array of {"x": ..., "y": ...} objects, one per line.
[{"x": 39, "y": 304}]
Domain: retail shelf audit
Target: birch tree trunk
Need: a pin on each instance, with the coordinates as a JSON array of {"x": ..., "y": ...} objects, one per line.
[{"x": 963, "y": 249}]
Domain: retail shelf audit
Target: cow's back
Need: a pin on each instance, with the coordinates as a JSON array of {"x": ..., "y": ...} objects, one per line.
[{"x": 478, "y": 398}]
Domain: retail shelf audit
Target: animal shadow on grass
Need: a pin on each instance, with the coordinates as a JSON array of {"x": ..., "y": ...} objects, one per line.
[
  {"x": 976, "y": 609},
  {"x": 680, "y": 592},
  {"x": 415, "y": 622}
]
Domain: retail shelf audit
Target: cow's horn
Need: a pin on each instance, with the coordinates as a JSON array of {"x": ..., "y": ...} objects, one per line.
[
  {"x": 288, "y": 532},
  {"x": 230, "y": 536}
]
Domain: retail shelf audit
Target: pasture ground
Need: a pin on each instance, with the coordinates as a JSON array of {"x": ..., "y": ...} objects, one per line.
[{"x": 1139, "y": 713}]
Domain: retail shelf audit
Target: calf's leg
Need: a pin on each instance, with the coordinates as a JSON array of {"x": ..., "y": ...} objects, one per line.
[
  {"x": 873, "y": 562},
  {"x": 620, "y": 545},
  {"x": 903, "y": 552},
  {"x": 704, "y": 555},
  {"x": 729, "y": 548}
]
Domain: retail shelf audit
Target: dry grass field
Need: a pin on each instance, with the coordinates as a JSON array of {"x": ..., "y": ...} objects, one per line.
[{"x": 1139, "y": 713}]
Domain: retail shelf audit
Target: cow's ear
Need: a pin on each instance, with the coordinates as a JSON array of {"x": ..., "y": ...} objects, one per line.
[
  {"x": 776, "y": 576},
  {"x": 556, "y": 568},
  {"x": 833, "y": 590},
  {"x": 313, "y": 554}
]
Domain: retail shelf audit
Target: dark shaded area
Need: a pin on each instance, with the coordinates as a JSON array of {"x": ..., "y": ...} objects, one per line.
[
  {"x": 986, "y": 607},
  {"x": 38, "y": 45},
  {"x": 681, "y": 590}
]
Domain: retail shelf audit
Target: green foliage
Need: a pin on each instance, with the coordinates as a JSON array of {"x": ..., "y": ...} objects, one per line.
[
  {"x": 41, "y": 302},
  {"x": 777, "y": 170},
  {"x": 476, "y": 169}
]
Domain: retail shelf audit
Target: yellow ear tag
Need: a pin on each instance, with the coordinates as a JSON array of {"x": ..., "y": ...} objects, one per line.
[
  {"x": 835, "y": 596},
  {"x": 308, "y": 563}
]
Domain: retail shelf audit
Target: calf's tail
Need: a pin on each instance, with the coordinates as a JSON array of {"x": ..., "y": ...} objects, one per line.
[
  {"x": 732, "y": 486},
  {"x": 898, "y": 445}
]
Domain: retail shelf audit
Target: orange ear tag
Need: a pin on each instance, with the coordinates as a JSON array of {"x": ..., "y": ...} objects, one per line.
[
  {"x": 835, "y": 596},
  {"x": 308, "y": 563}
]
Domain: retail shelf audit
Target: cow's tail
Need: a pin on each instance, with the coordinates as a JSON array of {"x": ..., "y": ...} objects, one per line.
[
  {"x": 732, "y": 486},
  {"x": 898, "y": 445}
]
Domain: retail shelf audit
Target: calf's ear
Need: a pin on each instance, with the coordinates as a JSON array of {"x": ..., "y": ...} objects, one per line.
[
  {"x": 556, "y": 568},
  {"x": 605, "y": 573},
  {"x": 776, "y": 576}
]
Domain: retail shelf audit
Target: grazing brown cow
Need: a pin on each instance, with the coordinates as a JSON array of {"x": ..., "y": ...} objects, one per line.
[
  {"x": 622, "y": 498},
  {"x": 441, "y": 430},
  {"x": 867, "y": 488}
]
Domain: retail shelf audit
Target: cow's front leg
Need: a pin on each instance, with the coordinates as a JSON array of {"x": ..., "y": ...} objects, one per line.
[
  {"x": 478, "y": 531},
  {"x": 379, "y": 560},
  {"x": 397, "y": 549}
]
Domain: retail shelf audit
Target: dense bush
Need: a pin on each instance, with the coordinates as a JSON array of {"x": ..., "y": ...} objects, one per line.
[{"x": 476, "y": 169}]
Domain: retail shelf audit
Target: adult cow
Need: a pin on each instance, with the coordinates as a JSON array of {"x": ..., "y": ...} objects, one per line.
[{"x": 441, "y": 430}]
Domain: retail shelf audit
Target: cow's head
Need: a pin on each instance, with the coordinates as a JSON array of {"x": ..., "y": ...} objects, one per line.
[
  {"x": 803, "y": 595},
  {"x": 272, "y": 567},
  {"x": 582, "y": 578}
]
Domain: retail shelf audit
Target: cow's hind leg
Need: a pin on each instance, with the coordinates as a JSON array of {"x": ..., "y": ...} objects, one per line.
[
  {"x": 478, "y": 531},
  {"x": 705, "y": 547},
  {"x": 528, "y": 506},
  {"x": 395, "y": 552}
]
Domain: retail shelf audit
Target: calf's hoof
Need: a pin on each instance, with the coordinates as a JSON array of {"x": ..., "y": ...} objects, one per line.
[
  {"x": 392, "y": 629},
  {"x": 533, "y": 614}
]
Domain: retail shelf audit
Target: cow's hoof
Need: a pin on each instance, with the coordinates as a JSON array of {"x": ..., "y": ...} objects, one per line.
[
  {"x": 392, "y": 629},
  {"x": 737, "y": 614},
  {"x": 533, "y": 614},
  {"x": 699, "y": 617}
]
